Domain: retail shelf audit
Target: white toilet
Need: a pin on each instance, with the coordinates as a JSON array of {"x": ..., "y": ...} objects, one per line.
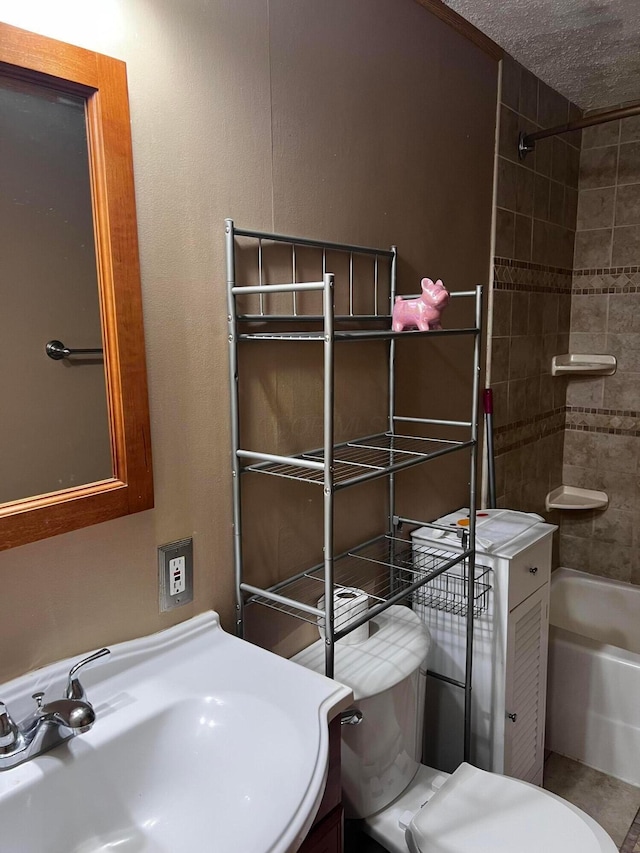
[{"x": 407, "y": 806}]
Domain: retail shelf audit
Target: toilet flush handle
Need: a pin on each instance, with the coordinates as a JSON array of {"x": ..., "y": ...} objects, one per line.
[{"x": 352, "y": 717}]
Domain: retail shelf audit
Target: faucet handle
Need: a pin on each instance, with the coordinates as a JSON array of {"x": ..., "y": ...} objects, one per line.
[
  {"x": 9, "y": 733},
  {"x": 75, "y": 690}
]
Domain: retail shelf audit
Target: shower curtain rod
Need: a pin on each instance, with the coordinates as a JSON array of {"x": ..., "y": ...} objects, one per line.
[{"x": 527, "y": 141}]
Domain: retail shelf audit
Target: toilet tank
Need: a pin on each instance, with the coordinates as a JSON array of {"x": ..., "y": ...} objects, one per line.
[{"x": 387, "y": 674}]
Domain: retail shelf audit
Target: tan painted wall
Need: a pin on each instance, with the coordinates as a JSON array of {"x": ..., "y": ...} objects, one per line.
[{"x": 366, "y": 121}]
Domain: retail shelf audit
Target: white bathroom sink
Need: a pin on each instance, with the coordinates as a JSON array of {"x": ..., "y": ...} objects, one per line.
[{"x": 202, "y": 742}]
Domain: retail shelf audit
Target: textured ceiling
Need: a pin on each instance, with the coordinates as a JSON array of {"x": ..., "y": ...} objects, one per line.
[{"x": 589, "y": 50}]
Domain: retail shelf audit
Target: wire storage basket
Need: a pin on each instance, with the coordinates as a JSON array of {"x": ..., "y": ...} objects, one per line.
[{"x": 448, "y": 591}]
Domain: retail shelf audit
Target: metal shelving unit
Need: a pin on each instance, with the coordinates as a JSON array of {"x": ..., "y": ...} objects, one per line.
[{"x": 390, "y": 568}]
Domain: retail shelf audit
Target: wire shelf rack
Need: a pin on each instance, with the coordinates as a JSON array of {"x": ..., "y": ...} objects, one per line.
[
  {"x": 363, "y": 459},
  {"x": 384, "y": 568}
]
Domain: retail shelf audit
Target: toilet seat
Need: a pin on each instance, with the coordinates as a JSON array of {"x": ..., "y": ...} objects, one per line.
[{"x": 475, "y": 811}]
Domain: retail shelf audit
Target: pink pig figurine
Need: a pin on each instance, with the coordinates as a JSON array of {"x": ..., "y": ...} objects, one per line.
[{"x": 423, "y": 312}]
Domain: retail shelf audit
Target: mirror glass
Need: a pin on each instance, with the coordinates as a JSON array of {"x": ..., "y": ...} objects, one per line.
[{"x": 56, "y": 429}]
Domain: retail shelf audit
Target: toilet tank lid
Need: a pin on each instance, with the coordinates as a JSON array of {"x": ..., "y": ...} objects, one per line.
[
  {"x": 398, "y": 645},
  {"x": 487, "y": 813}
]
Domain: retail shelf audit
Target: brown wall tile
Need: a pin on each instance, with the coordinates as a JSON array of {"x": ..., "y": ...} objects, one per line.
[
  {"x": 556, "y": 203},
  {"x": 585, "y": 391},
  {"x": 593, "y": 248},
  {"x": 550, "y": 307},
  {"x": 536, "y": 313},
  {"x": 519, "y": 314},
  {"x": 499, "y": 360},
  {"x": 553, "y": 109},
  {"x": 506, "y": 189},
  {"x": 500, "y": 404},
  {"x": 614, "y": 525},
  {"x": 563, "y": 246},
  {"x": 611, "y": 560},
  {"x": 528, "y": 105},
  {"x": 626, "y": 348},
  {"x": 541, "y": 195},
  {"x": 598, "y": 167},
  {"x": 541, "y": 251},
  {"x": 523, "y": 236},
  {"x": 621, "y": 392},
  {"x": 524, "y": 191},
  {"x": 564, "y": 312},
  {"x": 588, "y": 342},
  {"x": 629, "y": 163},
  {"x": 501, "y": 315},
  {"x": 600, "y": 135},
  {"x": 630, "y": 129},
  {"x": 524, "y": 362},
  {"x": 542, "y": 230},
  {"x": 624, "y": 313},
  {"x": 574, "y": 551},
  {"x": 626, "y": 246},
  {"x": 521, "y": 401},
  {"x": 544, "y": 152},
  {"x": 573, "y": 166},
  {"x": 595, "y": 208},
  {"x": 627, "y": 210},
  {"x": 574, "y": 138},
  {"x": 505, "y": 233},
  {"x": 589, "y": 313},
  {"x": 511, "y": 71},
  {"x": 509, "y": 130},
  {"x": 558, "y": 159},
  {"x": 570, "y": 208}
]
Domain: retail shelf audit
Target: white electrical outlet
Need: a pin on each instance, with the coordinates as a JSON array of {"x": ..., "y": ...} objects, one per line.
[{"x": 177, "y": 575}]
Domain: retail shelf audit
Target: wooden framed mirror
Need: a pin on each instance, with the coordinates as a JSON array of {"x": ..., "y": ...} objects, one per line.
[{"x": 93, "y": 89}]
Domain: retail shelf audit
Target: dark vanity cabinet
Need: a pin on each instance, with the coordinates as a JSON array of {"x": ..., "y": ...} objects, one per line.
[{"x": 326, "y": 834}]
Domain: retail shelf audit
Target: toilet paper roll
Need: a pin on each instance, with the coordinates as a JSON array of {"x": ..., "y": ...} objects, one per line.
[{"x": 349, "y": 604}]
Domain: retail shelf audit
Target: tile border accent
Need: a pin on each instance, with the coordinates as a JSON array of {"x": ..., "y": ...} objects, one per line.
[
  {"x": 606, "y": 280},
  {"x": 526, "y": 277},
  {"x": 607, "y": 270},
  {"x": 528, "y": 265},
  {"x": 609, "y": 421},
  {"x": 621, "y": 412},
  {"x": 529, "y": 430},
  {"x": 518, "y": 434}
]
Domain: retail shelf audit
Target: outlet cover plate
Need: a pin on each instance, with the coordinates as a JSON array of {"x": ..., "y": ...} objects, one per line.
[{"x": 167, "y": 553}]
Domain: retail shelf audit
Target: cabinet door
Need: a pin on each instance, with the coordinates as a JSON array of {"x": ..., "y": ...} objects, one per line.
[
  {"x": 525, "y": 687},
  {"x": 326, "y": 836}
]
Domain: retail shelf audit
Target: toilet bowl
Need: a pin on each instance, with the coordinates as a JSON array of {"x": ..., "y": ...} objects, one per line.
[{"x": 407, "y": 806}]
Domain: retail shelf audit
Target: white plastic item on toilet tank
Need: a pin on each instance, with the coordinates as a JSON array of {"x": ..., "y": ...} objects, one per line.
[{"x": 380, "y": 756}]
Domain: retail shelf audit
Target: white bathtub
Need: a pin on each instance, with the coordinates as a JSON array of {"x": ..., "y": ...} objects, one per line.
[{"x": 593, "y": 701}]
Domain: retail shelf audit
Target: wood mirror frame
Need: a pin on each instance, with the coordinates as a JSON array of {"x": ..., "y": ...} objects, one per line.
[{"x": 102, "y": 82}]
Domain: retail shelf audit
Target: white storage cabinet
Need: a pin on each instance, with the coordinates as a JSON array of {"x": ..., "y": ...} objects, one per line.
[{"x": 509, "y": 673}]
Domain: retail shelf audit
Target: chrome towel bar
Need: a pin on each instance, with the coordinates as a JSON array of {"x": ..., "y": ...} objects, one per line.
[{"x": 57, "y": 350}]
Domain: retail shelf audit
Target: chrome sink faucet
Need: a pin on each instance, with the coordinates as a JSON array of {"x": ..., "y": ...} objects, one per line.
[{"x": 50, "y": 723}]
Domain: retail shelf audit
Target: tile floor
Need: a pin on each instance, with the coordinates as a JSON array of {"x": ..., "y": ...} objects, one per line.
[{"x": 614, "y": 804}]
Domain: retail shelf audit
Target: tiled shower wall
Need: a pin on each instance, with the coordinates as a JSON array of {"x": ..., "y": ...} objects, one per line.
[
  {"x": 602, "y": 441},
  {"x": 535, "y": 229}
]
